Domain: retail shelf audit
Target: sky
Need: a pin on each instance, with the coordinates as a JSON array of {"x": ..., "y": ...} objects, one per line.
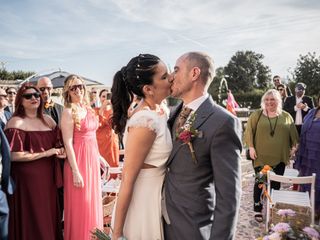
[{"x": 95, "y": 38}]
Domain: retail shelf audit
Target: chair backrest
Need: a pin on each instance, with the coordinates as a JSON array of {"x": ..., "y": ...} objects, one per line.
[{"x": 293, "y": 180}]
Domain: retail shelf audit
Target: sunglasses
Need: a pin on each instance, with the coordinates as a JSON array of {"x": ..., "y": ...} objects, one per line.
[
  {"x": 280, "y": 89},
  {"x": 12, "y": 93},
  {"x": 42, "y": 89},
  {"x": 28, "y": 96},
  {"x": 75, "y": 87}
]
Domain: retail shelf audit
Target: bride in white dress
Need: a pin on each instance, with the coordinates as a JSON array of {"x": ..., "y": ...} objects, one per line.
[{"x": 147, "y": 140}]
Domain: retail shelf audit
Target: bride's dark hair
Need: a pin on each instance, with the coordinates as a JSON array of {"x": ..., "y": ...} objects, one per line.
[{"x": 128, "y": 82}]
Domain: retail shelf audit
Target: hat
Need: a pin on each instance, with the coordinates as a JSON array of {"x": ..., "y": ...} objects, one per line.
[{"x": 301, "y": 85}]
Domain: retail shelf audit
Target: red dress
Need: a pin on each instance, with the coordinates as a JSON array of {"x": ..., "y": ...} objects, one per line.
[{"x": 34, "y": 206}]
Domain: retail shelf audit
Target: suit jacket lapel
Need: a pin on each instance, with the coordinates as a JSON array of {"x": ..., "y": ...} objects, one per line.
[
  {"x": 202, "y": 114},
  {"x": 173, "y": 115}
]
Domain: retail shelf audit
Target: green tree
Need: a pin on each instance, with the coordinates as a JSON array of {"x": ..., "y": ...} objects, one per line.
[
  {"x": 246, "y": 71},
  {"x": 14, "y": 75},
  {"x": 214, "y": 86},
  {"x": 308, "y": 72}
]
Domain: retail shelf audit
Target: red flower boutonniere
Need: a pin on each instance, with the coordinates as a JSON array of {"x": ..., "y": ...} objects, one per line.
[{"x": 187, "y": 132}]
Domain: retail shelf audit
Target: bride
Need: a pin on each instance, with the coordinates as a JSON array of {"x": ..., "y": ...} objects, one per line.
[{"x": 147, "y": 146}]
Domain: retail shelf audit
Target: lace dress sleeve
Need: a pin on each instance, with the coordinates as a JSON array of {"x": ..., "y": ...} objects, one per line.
[{"x": 145, "y": 119}]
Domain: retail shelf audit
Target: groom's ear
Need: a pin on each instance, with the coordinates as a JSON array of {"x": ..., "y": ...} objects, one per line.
[{"x": 195, "y": 72}]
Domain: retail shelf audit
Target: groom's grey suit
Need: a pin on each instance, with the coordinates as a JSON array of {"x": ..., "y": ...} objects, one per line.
[{"x": 202, "y": 199}]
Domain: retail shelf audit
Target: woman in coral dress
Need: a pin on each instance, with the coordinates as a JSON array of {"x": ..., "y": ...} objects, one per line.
[
  {"x": 82, "y": 183},
  {"x": 147, "y": 147},
  {"x": 35, "y": 145},
  {"x": 107, "y": 139}
]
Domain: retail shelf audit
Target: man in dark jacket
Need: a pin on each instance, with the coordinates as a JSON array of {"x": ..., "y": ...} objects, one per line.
[
  {"x": 299, "y": 105},
  {"x": 277, "y": 81},
  {"x": 51, "y": 108},
  {"x": 6, "y": 185}
]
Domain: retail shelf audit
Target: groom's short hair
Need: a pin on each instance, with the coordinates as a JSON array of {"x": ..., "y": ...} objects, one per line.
[{"x": 205, "y": 63}]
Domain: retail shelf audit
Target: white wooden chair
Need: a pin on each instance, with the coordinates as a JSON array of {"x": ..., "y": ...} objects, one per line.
[
  {"x": 109, "y": 185},
  {"x": 290, "y": 197}
]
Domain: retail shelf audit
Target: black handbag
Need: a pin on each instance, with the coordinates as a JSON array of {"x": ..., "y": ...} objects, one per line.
[{"x": 254, "y": 136}]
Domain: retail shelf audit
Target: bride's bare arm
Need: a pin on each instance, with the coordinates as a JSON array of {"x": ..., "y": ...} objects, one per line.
[{"x": 138, "y": 145}]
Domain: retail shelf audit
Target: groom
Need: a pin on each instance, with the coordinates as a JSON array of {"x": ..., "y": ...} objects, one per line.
[{"x": 202, "y": 193}]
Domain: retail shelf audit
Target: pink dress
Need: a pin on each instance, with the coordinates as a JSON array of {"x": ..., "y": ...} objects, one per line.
[{"x": 83, "y": 206}]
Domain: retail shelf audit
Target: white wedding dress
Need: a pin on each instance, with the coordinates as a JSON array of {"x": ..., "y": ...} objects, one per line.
[{"x": 144, "y": 219}]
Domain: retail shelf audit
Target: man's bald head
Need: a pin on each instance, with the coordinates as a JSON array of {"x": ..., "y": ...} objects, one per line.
[
  {"x": 45, "y": 86},
  {"x": 44, "y": 82}
]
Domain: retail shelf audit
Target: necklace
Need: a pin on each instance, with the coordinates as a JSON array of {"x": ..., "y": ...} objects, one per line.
[{"x": 272, "y": 129}]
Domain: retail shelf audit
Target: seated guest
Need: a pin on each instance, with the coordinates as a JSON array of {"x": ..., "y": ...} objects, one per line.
[
  {"x": 308, "y": 156},
  {"x": 4, "y": 114},
  {"x": 51, "y": 108},
  {"x": 34, "y": 142},
  {"x": 108, "y": 140},
  {"x": 299, "y": 105}
]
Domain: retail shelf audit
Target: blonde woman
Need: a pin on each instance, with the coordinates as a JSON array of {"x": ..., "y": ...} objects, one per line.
[
  {"x": 275, "y": 134},
  {"x": 82, "y": 196}
]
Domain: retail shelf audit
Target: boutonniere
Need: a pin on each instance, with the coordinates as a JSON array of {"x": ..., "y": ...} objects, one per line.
[{"x": 187, "y": 133}]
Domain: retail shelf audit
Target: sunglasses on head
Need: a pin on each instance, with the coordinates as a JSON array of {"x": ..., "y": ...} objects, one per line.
[
  {"x": 28, "y": 96},
  {"x": 12, "y": 93},
  {"x": 75, "y": 87},
  {"x": 42, "y": 89}
]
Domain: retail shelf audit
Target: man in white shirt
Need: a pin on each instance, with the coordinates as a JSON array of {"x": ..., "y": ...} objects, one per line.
[
  {"x": 202, "y": 184},
  {"x": 299, "y": 105}
]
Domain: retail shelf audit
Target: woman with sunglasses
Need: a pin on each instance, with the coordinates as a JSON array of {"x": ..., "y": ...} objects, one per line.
[
  {"x": 82, "y": 183},
  {"x": 108, "y": 140},
  {"x": 283, "y": 92},
  {"x": 35, "y": 146}
]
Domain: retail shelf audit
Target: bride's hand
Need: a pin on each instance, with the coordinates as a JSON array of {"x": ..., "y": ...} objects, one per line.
[{"x": 77, "y": 179}]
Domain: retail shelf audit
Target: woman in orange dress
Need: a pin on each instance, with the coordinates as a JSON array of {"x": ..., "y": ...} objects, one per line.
[{"x": 107, "y": 139}]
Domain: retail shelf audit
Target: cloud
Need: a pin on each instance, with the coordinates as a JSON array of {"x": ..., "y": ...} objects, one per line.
[{"x": 98, "y": 36}]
